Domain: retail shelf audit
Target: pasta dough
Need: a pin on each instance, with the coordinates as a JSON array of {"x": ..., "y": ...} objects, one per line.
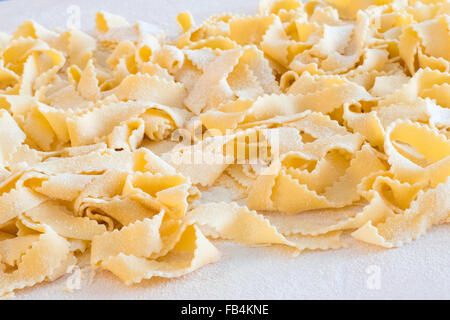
[{"x": 326, "y": 119}]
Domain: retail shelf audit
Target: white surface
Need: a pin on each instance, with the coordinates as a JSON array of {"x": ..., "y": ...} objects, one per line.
[
  {"x": 416, "y": 271},
  {"x": 419, "y": 270}
]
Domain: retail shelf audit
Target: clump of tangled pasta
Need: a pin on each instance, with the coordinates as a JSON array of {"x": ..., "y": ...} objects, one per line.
[{"x": 325, "y": 119}]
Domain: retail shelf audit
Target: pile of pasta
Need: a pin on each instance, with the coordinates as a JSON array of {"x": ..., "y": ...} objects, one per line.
[{"x": 114, "y": 144}]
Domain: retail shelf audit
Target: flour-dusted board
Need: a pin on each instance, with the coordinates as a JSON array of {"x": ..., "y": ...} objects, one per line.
[{"x": 419, "y": 270}]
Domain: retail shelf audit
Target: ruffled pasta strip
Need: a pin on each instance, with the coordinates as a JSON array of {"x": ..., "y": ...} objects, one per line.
[
  {"x": 61, "y": 220},
  {"x": 104, "y": 21},
  {"x": 190, "y": 251},
  {"x": 238, "y": 223},
  {"x": 126, "y": 198},
  {"x": 203, "y": 163},
  {"x": 16, "y": 201},
  {"x": 100, "y": 122},
  {"x": 213, "y": 78},
  {"x": 386, "y": 198},
  {"x": 334, "y": 95},
  {"x": 39, "y": 262},
  {"x": 12, "y": 249},
  {"x": 410, "y": 157},
  {"x": 11, "y": 137},
  {"x": 232, "y": 222},
  {"x": 64, "y": 186},
  {"x": 169, "y": 192},
  {"x": 431, "y": 207},
  {"x": 160, "y": 121},
  {"x": 93, "y": 162},
  {"x": 317, "y": 222}
]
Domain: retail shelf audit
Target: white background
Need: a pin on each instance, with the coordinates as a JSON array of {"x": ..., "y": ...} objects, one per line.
[{"x": 419, "y": 270}]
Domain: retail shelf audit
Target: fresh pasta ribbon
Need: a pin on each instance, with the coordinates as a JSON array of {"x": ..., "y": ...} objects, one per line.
[
  {"x": 151, "y": 89},
  {"x": 385, "y": 195},
  {"x": 39, "y": 262},
  {"x": 61, "y": 220},
  {"x": 11, "y": 137},
  {"x": 420, "y": 38},
  {"x": 116, "y": 242},
  {"x": 276, "y": 187},
  {"x": 296, "y": 126},
  {"x": 16, "y": 201},
  {"x": 172, "y": 256},
  {"x": 429, "y": 208},
  {"x": 236, "y": 223}
]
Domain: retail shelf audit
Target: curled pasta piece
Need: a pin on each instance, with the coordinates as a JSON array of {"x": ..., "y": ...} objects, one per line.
[
  {"x": 429, "y": 208},
  {"x": 150, "y": 89},
  {"x": 61, "y": 220},
  {"x": 288, "y": 79},
  {"x": 161, "y": 121},
  {"x": 16, "y": 201},
  {"x": 410, "y": 158}
]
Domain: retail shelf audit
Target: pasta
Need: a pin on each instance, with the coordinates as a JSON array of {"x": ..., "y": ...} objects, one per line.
[{"x": 326, "y": 119}]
